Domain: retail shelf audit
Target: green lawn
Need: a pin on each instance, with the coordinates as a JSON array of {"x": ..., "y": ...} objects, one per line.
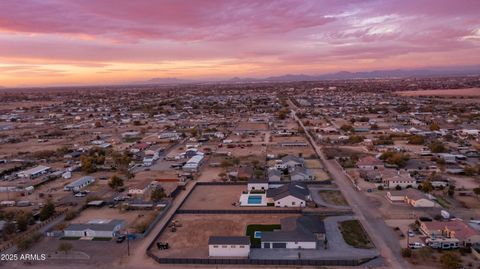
[
  {"x": 441, "y": 201},
  {"x": 354, "y": 234},
  {"x": 252, "y": 228}
]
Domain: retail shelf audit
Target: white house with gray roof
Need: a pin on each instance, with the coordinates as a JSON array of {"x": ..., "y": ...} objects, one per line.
[
  {"x": 289, "y": 195},
  {"x": 305, "y": 232},
  {"x": 95, "y": 228},
  {"x": 79, "y": 183}
]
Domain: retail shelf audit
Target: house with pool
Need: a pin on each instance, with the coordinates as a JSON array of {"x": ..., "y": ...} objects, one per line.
[{"x": 259, "y": 193}]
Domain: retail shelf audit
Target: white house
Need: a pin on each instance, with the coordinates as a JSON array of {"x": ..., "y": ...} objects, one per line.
[
  {"x": 256, "y": 184},
  {"x": 289, "y": 195},
  {"x": 303, "y": 232},
  {"x": 228, "y": 246},
  {"x": 411, "y": 197},
  {"x": 95, "y": 228},
  {"x": 79, "y": 183},
  {"x": 34, "y": 172}
]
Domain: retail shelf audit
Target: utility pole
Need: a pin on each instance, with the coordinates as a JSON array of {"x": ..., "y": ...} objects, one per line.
[{"x": 128, "y": 244}]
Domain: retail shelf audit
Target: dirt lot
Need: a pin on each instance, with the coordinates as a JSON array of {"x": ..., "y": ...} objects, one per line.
[
  {"x": 133, "y": 217},
  {"x": 187, "y": 241},
  {"x": 217, "y": 197},
  {"x": 453, "y": 92},
  {"x": 304, "y": 151},
  {"x": 333, "y": 197},
  {"x": 313, "y": 163}
]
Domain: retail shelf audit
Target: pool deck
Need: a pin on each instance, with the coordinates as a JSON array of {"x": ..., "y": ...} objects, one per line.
[{"x": 244, "y": 199}]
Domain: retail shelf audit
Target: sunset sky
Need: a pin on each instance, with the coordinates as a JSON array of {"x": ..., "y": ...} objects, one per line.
[{"x": 61, "y": 42}]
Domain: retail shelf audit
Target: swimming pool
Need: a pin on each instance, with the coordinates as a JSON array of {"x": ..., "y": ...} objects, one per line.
[
  {"x": 255, "y": 199},
  {"x": 257, "y": 234}
]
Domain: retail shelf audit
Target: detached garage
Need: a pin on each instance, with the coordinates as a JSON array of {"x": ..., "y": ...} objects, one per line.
[{"x": 229, "y": 246}]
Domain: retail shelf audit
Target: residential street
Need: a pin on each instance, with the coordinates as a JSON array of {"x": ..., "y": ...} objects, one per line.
[{"x": 382, "y": 235}]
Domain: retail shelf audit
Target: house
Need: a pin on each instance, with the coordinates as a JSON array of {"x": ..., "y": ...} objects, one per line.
[
  {"x": 369, "y": 163},
  {"x": 373, "y": 176},
  {"x": 228, "y": 246},
  {"x": 454, "y": 169},
  {"x": 79, "y": 183},
  {"x": 289, "y": 195},
  {"x": 274, "y": 175},
  {"x": 291, "y": 161},
  {"x": 410, "y": 196},
  {"x": 394, "y": 178},
  {"x": 257, "y": 184},
  {"x": 95, "y": 228},
  {"x": 34, "y": 172},
  {"x": 418, "y": 165},
  {"x": 454, "y": 228},
  {"x": 245, "y": 172},
  {"x": 193, "y": 163},
  {"x": 305, "y": 232},
  {"x": 300, "y": 173}
]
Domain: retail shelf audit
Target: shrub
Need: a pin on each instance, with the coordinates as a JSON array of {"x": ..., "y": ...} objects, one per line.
[{"x": 406, "y": 252}]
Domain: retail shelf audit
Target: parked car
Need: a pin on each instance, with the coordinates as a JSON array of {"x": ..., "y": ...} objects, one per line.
[
  {"x": 411, "y": 233},
  {"x": 416, "y": 245},
  {"x": 121, "y": 238},
  {"x": 80, "y": 194}
]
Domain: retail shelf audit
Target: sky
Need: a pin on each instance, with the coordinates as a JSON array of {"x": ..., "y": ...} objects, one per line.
[{"x": 63, "y": 42}]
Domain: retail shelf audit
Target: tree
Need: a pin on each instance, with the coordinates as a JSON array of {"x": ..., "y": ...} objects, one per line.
[
  {"x": 476, "y": 191},
  {"x": 115, "y": 182},
  {"x": 450, "y": 260},
  {"x": 157, "y": 194},
  {"x": 437, "y": 147},
  {"x": 451, "y": 190},
  {"x": 355, "y": 139},
  {"x": 65, "y": 247},
  {"x": 47, "y": 211},
  {"x": 406, "y": 252},
  {"x": 426, "y": 186},
  {"x": 469, "y": 170},
  {"x": 434, "y": 126},
  {"x": 346, "y": 128},
  {"x": 88, "y": 164},
  {"x": 416, "y": 140},
  {"x": 22, "y": 221}
]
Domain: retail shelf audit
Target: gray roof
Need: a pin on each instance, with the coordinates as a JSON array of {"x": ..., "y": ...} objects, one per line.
[
  {"x": 300, "y": 170},
  {"x": 303, "y": 228},
  {"x": 297, "y": 189},
  {"x": 79, "y": 182},
  {"x": 288, "y": 236},
  {"x": 229, "y": 240},
  {"x": 257, "y": 180},
  {"x": 110, "y": 226},
  {"x": 292, "y": 158}
]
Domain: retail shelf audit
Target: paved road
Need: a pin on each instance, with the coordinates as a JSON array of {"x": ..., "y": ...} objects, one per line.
[{"x": 382, "y": 236}]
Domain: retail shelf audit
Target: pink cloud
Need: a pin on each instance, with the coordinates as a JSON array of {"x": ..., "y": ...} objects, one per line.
[{"x": 263, "y": 34}]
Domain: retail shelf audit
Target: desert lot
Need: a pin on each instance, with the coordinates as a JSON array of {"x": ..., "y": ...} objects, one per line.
[
  {"x": 189, "y": 242},
  {"x": 447, "y": 93},
  {"x": 220, "y": 197}
]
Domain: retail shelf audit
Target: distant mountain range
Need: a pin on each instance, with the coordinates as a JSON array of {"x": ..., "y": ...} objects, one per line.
[{"x": 376, "y": 74}]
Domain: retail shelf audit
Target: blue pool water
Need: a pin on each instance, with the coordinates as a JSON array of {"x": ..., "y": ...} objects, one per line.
[
  {"x": 255, "y": 199},
  {"x": 257, "y": 234}
]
